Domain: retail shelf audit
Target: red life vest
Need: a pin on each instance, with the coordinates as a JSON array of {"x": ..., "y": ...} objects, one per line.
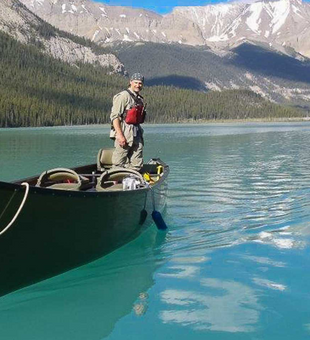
[{"x": 135, "y": 115}]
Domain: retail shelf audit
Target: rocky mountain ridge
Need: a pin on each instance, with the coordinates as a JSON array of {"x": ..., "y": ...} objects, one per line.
[
  {"x": 282, "y": 24},
  {"x": 274, "y": 76},
  {"x": 19, "y": 22},
  {"x": 280, "y": 75}
]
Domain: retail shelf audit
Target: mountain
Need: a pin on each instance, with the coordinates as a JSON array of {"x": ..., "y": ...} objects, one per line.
[
  {"x": 47, "y": 77},
  {"x": 263, "y": 46},
  {"x": 20, "y": 23},
  {"x": 275, "y": 76},
  {"x": 38, "y": 90},
  {"x": 284, "y": 25}
]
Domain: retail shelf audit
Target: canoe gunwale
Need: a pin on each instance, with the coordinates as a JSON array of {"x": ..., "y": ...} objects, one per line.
[{"x": 17, "y": 186}]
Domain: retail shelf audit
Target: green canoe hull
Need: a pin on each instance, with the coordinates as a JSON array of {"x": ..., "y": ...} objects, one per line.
[{"x": 58, "y": 230}]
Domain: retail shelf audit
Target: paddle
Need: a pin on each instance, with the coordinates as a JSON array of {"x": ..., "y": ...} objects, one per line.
[
  {"x": 159, "y": 221},
  {"x": 156, "y": 215}
]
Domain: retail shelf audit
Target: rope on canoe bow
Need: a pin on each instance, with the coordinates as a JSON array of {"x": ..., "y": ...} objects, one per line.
[{"x": 19, "y": 209}]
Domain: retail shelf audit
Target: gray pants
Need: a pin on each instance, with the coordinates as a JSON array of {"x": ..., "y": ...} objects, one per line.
[{"x": 129, "y": 156}]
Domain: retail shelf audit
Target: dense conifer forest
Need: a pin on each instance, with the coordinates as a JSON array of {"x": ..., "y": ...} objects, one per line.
[{"x": 37, "y": 90}]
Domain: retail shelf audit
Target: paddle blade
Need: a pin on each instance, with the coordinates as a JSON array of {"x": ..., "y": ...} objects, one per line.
[{"x": 159, "y": 221}]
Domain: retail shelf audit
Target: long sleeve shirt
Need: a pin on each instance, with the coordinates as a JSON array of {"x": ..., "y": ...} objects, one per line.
[{"x": 122, "y": 102}]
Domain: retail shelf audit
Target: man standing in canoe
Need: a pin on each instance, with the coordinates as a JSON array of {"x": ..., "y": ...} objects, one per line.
[{"x": 128, "y": 112}]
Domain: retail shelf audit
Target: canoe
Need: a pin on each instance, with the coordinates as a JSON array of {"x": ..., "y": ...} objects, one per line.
[{"x": 65, "y": 218}]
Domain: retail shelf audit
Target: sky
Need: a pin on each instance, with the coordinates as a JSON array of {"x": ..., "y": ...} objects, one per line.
[
  {"x": 165, "y": 6},
  {"x": 159, "y": 6}
]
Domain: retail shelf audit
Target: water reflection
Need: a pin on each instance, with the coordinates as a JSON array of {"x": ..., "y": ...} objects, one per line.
[
  {"x": 141, "y": 305},
  {"x": 279, "y": 238},
  {"x": 84, "y": 303},
  {"x": 265, "y": 260},
  {"x": 307, "y": 327},
  {"x": 241, "y": 188},
  {"x": 225, "y": 306},
  {"x": 269, "y": 284},
  {"x": 235, "y": 259}
]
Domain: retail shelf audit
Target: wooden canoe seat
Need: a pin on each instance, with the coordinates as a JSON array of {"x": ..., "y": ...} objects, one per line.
[
  {"x": 62, "y": 178},
  {"x": 104, "y": 159}
]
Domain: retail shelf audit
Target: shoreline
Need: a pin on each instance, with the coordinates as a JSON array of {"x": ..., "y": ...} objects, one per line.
[
  {"x": 185, "y": 121},
  {"x": 249, "y": 120}
]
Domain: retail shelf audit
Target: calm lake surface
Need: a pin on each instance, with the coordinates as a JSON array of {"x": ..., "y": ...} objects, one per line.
[{"x": 234, "y": 264}]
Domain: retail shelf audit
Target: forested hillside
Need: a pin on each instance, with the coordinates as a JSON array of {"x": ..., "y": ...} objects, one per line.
[
  {"x": 168, "y": 104},
  {"x": 274, "y": 75},
  {"x": 37, "y": 90}
]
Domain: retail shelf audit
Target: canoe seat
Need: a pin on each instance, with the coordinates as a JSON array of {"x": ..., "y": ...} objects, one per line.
[
  {"x": 104, "y": 159},
  {"x": 112, "y": 179},
  {"x": 62, "y": 178}
]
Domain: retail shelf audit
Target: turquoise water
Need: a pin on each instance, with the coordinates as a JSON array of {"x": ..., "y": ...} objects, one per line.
[{"x": 233, "y": 265}]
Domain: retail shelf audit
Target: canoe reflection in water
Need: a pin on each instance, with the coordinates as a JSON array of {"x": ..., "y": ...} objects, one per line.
[
  {"x": 70, "y": 217},
  {"x": 86, "y": 302}
]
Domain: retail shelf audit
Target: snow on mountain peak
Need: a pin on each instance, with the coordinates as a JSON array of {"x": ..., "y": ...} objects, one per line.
[
  {"x": 280, "y": 14},
  {"x": 254, "y": 19},
  {"x": 39, "y": 2},
  {"x": 280, "y": 22}
]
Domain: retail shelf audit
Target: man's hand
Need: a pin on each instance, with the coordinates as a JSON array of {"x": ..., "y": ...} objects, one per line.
[
  {"x": 121, "y": 140},
  {"x": 119, "y": 133}
]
